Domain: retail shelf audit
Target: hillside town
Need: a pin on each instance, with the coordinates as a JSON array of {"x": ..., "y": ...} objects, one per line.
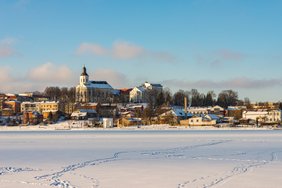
[{"x": 98, "y": 104}]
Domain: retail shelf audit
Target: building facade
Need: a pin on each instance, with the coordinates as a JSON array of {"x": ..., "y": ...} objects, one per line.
[
  {"x": 48, "y": 106},
  {"x": 263, "y": 116},
  {"x": 138, "y": 94}
]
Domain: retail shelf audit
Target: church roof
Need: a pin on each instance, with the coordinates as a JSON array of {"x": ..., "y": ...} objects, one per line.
[
  {"x": 156, "y": 85},
  {"x": 84, "y": 73},
  {"x": 100, "y": 85}
]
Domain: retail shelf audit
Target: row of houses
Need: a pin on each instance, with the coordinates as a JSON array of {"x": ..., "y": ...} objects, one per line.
[
  {"x": 129, "y": 114},
  {"x": 231, "y": 116}
]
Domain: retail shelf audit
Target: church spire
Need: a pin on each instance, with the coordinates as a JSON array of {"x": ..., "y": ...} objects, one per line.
[{"x": 84, "y": 73}]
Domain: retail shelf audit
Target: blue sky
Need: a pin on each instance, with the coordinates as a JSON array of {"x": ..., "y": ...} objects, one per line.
[{"x": 183, "y": 44}]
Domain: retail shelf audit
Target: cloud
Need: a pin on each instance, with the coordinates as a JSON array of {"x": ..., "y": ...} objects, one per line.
[
  {"x": 114, "y": 78},
  {"x": 87, "y": 48},
  {"x": 6, "y": 52},
  {"x": 238, "y": 83},
  {"x": 6, "y": 48},
  {"x": 229, "y": 55},
  {"x": 9, "y": 82},
  {"x": 5, "y": 75},
  {"x": 37, "y": 79},
  {"x": 220, "y": 57},
  {"x": 122, "y": 50},
  {"x": 51, "y": 73}
]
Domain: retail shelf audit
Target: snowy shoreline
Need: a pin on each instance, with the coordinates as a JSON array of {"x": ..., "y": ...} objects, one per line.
[{"x": 59, "y": 127}]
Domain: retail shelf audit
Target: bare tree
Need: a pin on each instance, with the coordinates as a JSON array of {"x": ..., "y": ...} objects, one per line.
[{"x": 227, "y": 98}]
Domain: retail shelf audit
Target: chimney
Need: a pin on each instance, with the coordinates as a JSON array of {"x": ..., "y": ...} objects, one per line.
[{"x": 185, "y": 106}]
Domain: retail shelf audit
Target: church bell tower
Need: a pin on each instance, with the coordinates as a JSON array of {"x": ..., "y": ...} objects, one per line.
[{"x": 84, "y": 78}]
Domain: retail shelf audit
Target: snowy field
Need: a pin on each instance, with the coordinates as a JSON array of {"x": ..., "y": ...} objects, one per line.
[{"x": 141, "y": 158}]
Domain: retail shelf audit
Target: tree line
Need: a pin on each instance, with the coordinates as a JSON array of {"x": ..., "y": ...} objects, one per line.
[
  {"x": 154, "y": 98},
  {"x": 225, "y": 98}
]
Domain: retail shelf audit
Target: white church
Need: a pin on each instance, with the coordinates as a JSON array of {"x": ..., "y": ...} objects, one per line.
[{"x": 92, "y": 91}]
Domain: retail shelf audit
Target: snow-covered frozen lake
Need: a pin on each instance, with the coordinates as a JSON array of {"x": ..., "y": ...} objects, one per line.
[{"x": 141, "y": 158}]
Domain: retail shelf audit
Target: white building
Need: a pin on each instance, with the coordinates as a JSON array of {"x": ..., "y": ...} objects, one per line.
[
  {"x": 92, "y": 91},
  {"x": 198, "y": 121},
  {"x": 150, "y": 86},
  {"x": 264, "y": 116},
  {"x": 138, "y": 94},
  {"x": 30, "y": 107},
  {"x": 198, "y": 110},
  {"x": 206, "y": 110}
]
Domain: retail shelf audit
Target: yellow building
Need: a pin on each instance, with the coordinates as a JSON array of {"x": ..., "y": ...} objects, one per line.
[
  {"x": 48, "y": 106},
  {"x": 15, "y": 106}
]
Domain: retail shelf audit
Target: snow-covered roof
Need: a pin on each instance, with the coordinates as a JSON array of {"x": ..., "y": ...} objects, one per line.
[
  {"x": 255, "y": 112},
  {"x": 217, "y": 107},
  {"x": 212, "y": 116},
  {"x": 140, "y": 88},
  {"x": 99, "y": 84},
  {"x": 45, "y": 111},
  {"x": 116, "y": 92},
  {"x": 89, "y": 104},
  {"x": 177, "y": 112},
  {"x": 87, "y": 111},
  {"x": 134, "y": 119},
  {"x": 79, "y": 114},
  {"x": 157, "y": 85},
  {"x": 42, "y": 102},
  {"x": 83, "y": 112}
]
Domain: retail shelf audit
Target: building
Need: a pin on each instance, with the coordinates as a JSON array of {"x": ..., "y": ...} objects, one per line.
[
  {"x": 198, "y": 121},
  {"x": 265, "y": 105},
  {"x": 173, "y": 116},
  {"x": 32, "y": 118},
  {"x": 88, "y": 106},
  {"x": 49, "y": 106},
  {"x": 206, "y": 110},
  {"x": 213, "y": 117},
  {"x": 235, "y": 111},
  {"x": 7, "y": 112},
  {"x": 263, "y": 116},
  {"x": 107, "y": 110},
  {"x": 46, "y": 106},
  {"x": 30, "y": 107},
  {"x": 93, "y": 91},
  {"x": 198, "y": 110},
  {"x": 15, "y": 106},
  {"x": 150, "y": 86},
  {"x": 218, "y": 110},
  {"x": 125, "y": 122},
  {"x": 124, "y": 94},
  {"x": 32, "y": 96},
  {"x": 138, "y": 94},
  {"x": 84, "y": 114},
  {"x": 1, "y": 105}
]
